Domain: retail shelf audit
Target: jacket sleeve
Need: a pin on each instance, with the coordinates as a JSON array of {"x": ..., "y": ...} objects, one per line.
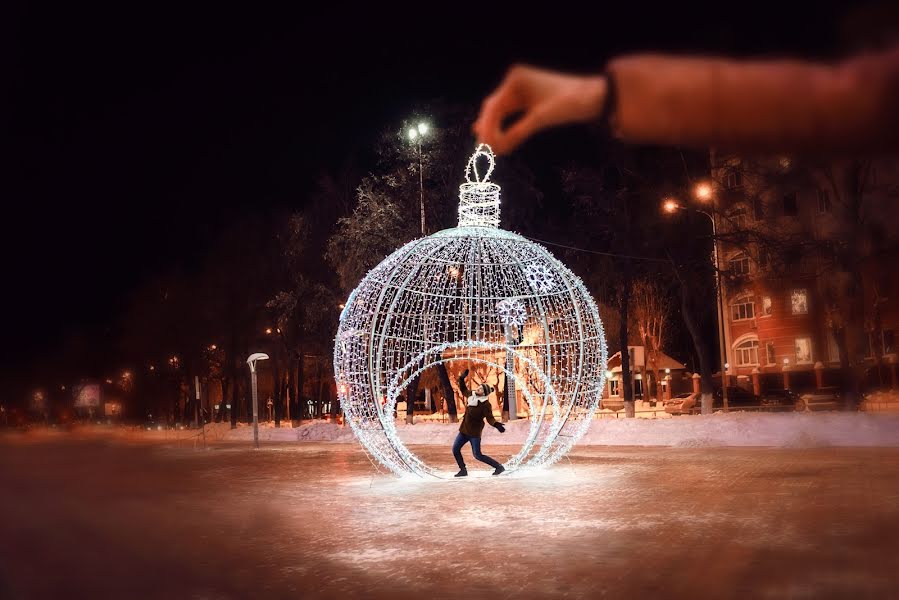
[
  {"x": 463, "y": 388},
  {"x": 775, "y": 105},
  {"x": 488, "y": 412}
]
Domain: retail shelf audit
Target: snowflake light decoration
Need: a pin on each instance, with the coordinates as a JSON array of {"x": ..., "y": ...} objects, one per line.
[
  {"x": 540, "y": 277},
  {"x": 511, "y": 312},
  {"x": 448, "y": 299}
]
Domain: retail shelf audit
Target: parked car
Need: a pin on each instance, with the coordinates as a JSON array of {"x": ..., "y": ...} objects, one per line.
[
  {"x": 682, "y": 404},
  {"x": 781, "y": 400},
  {"x": 737, "y": 397},
  {"x": 826, "y": 398}
]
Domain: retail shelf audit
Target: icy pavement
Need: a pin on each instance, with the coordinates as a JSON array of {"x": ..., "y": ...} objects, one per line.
[{"x": 115, "y": 520}]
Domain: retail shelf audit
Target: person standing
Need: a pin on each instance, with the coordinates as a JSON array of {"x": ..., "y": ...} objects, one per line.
[{"x": 477, "y": 409}]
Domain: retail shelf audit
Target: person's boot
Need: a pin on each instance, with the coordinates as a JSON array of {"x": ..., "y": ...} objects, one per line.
[
  {"x": 499, "y": 470},
  {"x": 462, "y": 473}
]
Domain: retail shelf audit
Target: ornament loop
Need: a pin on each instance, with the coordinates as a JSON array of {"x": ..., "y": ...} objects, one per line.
[{"x": 471, "y": 169}]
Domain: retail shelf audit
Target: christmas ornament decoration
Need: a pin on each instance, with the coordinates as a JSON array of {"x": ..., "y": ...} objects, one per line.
[{"x": 450, "y": 299}]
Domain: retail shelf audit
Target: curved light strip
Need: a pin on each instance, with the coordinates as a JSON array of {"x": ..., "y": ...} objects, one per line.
[{"x": 452, "y": 297}]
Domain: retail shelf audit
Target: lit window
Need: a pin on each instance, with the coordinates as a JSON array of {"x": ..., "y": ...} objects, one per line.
[
  {"x": 739, "y": 265},
  {"x": 770, "y": 354},
  {"x": 743, "y": 309},
  {"x": 799, "y": 302},
  {"x": 748, "y": 353},
  {"x": 613, "y": 387},
  {"x": 823, "y": 201},
  {"x": 804, "y": 350},
  {"x": 767, "y": 308},
  {"x": 791, "y": 204}
]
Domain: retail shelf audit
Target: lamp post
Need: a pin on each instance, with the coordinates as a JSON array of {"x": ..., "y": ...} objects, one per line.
[
  {"x": 251, "y": 361},
  {"x": 415, "y": 135},
  {"x": 703, "y": 192}
]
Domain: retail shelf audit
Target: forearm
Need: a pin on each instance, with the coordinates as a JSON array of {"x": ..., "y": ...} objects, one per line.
[
  {"x": 463, "y": 389},
  {"x": 766, "y": 105}
]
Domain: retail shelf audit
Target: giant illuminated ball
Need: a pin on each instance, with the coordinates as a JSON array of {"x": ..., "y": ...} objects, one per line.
[{"x": 472, "y": 296}]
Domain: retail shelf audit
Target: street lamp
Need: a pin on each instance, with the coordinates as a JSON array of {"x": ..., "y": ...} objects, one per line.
[
  {"x": 703, "y": 192},
  {"x": 251, "y": 361},
  {"x": 415, "y": 135}
]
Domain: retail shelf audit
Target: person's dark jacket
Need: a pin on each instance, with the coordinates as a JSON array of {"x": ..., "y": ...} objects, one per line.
[{"x": 473, "y": 421}]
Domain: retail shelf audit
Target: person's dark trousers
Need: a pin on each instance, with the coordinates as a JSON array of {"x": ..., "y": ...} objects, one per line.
[{"x": 461, "y": 440}]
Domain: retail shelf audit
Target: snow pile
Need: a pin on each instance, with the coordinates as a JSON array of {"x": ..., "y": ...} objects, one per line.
[
  {"x": 783, "y": 430},
  {"x": 886, "y": 401}
]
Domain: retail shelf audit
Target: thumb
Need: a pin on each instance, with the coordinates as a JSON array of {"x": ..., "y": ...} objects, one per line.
[{"x": 518, "y": 132}]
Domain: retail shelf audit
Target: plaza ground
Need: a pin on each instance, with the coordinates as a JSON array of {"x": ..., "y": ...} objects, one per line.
[{"x": 105, "y": 519}]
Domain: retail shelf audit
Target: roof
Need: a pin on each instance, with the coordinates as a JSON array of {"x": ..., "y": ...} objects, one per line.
[{"x": 665, "y": 361}]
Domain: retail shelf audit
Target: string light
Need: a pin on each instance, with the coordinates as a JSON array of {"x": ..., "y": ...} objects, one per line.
[{"x": 450, "y": 298}]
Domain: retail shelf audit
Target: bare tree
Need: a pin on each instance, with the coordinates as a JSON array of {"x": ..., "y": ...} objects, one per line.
[{"x": 652, "y": 309}]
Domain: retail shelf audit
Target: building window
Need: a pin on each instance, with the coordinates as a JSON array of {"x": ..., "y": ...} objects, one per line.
[
  {"x": 613, "y": 387},
  {"x": 742, "y": 310},
  {"x": 748, "y": 353},
  {"x": 833, "y": 350},
  {"x": 799, "y": 302},
  {"x": 791, "y": 204},
  {"x": 770, "y": 354},
  {"x": 803, "y": 350},
  {"x": 758, "y": 209},
  {"x": 738, "y": 219},
  {"x": 733, "y": 179},
  {"x": 767, "y": 307},
  {"x": 823, "y": 201},
  {"x": 739, "y": 265},
  {"x": 889, "y": 341}
]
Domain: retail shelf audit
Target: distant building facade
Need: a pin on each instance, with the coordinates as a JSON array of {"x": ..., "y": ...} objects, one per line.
[{"x": 778, "y": 232}]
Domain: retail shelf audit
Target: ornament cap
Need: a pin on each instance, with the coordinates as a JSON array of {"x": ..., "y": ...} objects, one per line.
[{"x": 478, "y": 197}]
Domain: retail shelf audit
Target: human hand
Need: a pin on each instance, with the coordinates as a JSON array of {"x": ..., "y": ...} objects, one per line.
[
  {"x": 544, "y": 98},
  {"x": 500, "y": 427}
]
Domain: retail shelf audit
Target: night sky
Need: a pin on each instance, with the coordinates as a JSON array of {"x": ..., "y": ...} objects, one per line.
[{"x": 131, "y": 134}]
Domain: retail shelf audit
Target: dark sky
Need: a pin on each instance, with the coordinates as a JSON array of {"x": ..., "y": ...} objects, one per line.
[{"x": 132, "y": 134}]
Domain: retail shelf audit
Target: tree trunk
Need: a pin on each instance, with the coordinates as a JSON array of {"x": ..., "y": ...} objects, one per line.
[
  {"x": 699, "y": 345},
  {"x": 277, "y": 387},
  {"x": 321, "y": 390},
  {"x": 627, "y": 388},
  {"x": 411, "y": 395},
  {"x": 448, "y": 393},
  {"x": 301, "y": 381}
]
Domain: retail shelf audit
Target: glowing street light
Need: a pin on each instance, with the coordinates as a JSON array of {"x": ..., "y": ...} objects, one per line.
[
  {"x": 670, "y": 205},
  {"x": 703, "y": 191},
  {"x": 251, "y": 362},
  {"x": 268, "y": 331}
]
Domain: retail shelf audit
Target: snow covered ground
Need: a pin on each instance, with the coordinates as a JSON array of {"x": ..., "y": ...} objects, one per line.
[
  {"x": 98, "y": 519},
  {"x": 782, "y": 430}
]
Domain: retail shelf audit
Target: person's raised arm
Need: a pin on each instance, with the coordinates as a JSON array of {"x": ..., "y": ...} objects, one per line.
[
  {"x": 463, "y": 389},
  {"x": 777, "y": 105}
]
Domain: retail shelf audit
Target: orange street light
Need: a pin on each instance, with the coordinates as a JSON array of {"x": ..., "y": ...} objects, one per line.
[
  {"x": 703, "y": 191},
  {"x": 268, "y": 331},
  {"x": 670, "y": 205}
]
